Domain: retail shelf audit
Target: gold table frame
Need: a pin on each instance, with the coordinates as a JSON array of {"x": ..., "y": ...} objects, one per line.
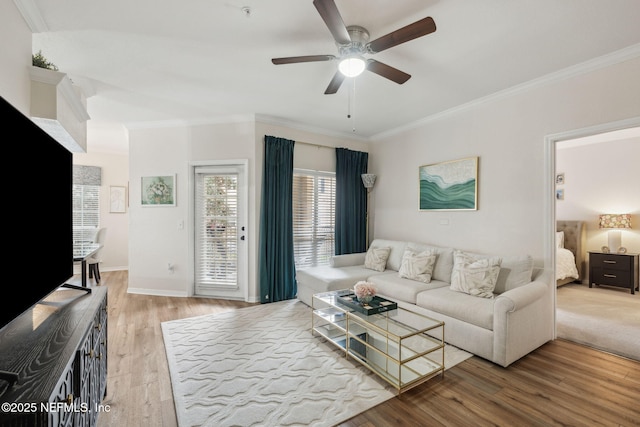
[{"x": 403, "y": 347}]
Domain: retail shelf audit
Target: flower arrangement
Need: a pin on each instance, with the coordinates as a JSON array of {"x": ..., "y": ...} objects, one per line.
[
  {"x": 364, "y": 289},
  {"x": 159, "y": 192}
]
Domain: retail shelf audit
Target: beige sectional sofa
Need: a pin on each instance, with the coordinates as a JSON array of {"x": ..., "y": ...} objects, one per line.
[{"x": 514, "y": 318}]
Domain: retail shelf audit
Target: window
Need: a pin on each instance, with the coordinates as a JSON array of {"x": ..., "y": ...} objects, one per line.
[
  {"x": 314, "y": 201},
  {"x": 86, "y": 202},
  {"x": 86, "y": 212}
]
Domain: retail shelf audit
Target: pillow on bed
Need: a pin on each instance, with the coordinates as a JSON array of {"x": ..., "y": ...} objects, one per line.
[
  {"x": 417, "y": 265},
  {"x": 473, "y": 275},
  {"x": 376, "y": 258},
  {"x": 560, "y": 239}
]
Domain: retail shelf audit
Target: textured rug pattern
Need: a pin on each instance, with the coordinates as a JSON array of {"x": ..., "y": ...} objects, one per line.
[
  {"x": 261, "y": 366},
  {"x": 604, "y": 318}
]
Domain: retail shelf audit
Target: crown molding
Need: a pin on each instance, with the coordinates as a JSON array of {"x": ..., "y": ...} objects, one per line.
[
  {"x": 31, "y": 15},
  {"x": 622, "y": 55}
]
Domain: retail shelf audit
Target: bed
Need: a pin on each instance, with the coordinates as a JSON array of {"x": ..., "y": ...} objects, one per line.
[{"x": 570, "y": 254}]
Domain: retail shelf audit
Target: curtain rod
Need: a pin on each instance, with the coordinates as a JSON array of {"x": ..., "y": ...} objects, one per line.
[{"x": 315, "y": 145}]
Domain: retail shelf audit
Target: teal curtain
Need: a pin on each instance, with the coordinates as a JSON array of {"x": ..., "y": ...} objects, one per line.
[
  {"x": 277, "y": 267},
  {"x": 351, "y": 201}
]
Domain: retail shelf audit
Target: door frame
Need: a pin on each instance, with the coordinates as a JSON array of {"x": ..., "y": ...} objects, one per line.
[
  {"x": 549, "y": 223},
  {"x": 243, "y": 218}
]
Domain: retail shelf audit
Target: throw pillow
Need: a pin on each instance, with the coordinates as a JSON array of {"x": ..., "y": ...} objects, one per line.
[
  {"x": 417, "y": 265},
  {"x": 376, "y": 258},
  {"x": 473, "y": 275}
]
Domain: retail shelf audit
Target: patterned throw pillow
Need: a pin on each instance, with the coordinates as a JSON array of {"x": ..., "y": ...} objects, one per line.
[
  {"x": 473, "y": 275},
  {"x": 376, "y": 258},
  {"x": 417, "y": 265}
]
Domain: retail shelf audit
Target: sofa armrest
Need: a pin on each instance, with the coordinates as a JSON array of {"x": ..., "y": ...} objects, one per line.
[
  {"x": 347, "y": 260},
  {"x": 522, "y": 320},
  {"x": 517, "y": 298}
]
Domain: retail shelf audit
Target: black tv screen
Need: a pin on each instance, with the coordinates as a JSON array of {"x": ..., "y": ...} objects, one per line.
[{"x": 37, "y": 190}]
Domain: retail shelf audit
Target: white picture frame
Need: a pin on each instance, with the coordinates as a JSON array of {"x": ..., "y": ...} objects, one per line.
[{"x": 117, "y": 199}]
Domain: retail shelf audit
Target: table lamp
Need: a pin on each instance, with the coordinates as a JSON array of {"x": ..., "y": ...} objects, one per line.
[{"x": 615, "y": 222}]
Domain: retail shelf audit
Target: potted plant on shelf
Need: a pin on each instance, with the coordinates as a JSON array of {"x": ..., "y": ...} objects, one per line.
[{"x": 38, "y": 60}]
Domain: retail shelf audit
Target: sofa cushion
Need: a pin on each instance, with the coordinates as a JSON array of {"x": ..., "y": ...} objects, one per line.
[
  {"x": 376, "y": 258},
  {"x": 417, "y": 265},
  {"x": 325, "y": 278},
  {"x": 396, "y": 288},
  {"x": 397, "y": 251},
  {"x": 444, "y": 260},
  {"x": 461, "y": 306},
  {"x": 474, "y": 275},
  {"x": 515, "y": 271}
]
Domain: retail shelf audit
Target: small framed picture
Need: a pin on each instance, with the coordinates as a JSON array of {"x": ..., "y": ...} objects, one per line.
[
  {"x": 560, "y": 194},
  {"x": 118, "y": 199},
  {"x": 559, "y": 178},
  {"x": 158, "y": 190}
]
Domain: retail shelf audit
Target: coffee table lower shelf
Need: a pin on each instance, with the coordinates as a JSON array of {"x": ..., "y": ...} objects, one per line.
[{"x": 402, "y": 347}]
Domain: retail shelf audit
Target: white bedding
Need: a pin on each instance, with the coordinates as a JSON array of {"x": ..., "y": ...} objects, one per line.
[{"x": 565, "y": 264}]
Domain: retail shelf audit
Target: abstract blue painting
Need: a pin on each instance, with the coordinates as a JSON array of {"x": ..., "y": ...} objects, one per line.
[{"x": 449, "y": 185}]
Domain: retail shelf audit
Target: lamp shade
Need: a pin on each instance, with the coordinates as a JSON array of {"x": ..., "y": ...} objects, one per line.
[
  {"x": 352, "y": 66},
  {"x": 368, "y": 179},
  {"x": 615, "y": 221}
]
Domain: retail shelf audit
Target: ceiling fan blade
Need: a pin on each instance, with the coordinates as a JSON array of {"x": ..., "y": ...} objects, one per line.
[
  {"x": 412, "y": 31},
  {"x": 335, "y": 83},
  {"x": 387, "y": 71},
  {"x": 331, "y": 16},
  {"x": 297, "y": 59}
]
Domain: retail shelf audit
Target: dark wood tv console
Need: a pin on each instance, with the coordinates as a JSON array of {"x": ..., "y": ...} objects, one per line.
[{"x": 57, "y": 351}]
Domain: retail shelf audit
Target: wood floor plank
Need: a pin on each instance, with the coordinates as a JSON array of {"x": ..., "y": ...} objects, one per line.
[{"x": 559, "y": 384}]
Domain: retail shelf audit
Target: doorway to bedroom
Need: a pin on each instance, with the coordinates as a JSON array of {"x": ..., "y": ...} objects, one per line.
[{"x": 594, "y": 174}]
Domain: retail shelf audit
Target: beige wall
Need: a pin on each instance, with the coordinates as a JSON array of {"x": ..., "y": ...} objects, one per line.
[
  {"x": 508, "y": 134},
  {"x": 15, "y": 39},
  {"x": 601, "y": 178}
]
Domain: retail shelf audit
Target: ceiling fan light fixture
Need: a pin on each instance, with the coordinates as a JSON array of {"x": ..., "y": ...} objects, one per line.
[{"x": 352, "y": 66}]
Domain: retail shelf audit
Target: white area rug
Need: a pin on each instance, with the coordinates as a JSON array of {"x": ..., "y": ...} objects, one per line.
[
  {"x": 261, "y": 366},
  {"x": 604, "y": 318}
]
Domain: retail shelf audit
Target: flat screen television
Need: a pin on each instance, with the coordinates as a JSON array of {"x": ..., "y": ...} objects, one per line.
[{"x": 37, "y": 191}]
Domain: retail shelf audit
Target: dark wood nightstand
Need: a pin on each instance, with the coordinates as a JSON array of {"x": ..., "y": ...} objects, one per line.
[{"x": 619, "y": 270}]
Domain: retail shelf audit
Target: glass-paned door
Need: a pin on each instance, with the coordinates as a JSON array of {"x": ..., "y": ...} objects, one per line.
[{"x": 219, "y": 232}]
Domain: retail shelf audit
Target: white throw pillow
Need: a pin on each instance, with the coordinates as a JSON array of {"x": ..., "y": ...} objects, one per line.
[
  {"x": 417, "y": 265},
  {"x": 376, "y": 258},
  {"x": 473, "y": 275},
  {"x": 560, "y": 239}
]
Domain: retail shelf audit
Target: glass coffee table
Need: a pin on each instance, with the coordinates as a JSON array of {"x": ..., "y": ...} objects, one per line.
[{"x": 401, "y": 346}]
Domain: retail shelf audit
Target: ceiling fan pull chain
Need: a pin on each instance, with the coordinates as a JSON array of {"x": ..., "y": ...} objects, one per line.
[{"x": 353, "y": 119}]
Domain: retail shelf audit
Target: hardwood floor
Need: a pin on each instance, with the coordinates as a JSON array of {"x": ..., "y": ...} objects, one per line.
[{"x": 560, "y": 384}]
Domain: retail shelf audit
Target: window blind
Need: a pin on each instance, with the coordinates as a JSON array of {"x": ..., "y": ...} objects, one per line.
[
  {"x": 216, "y": 205},
  {"x": 314, "y": 195},
  {"x": 86, "y": 202}
]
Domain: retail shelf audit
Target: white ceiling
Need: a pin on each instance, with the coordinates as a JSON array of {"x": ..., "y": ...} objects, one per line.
[{"x": 141, "y": 61}]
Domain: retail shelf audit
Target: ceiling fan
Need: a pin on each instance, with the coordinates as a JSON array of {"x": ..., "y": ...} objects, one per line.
[{"x": 353, "y": 43}]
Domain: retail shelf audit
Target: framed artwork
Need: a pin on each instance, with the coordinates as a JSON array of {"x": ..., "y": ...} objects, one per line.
[
  {"x": 560, "y": 194},
  {"x": 559, "y": 178},
  {"x": 158, "y": 190},
  {"x": 451, "y": 185},
  {"x": 118, "y": 199}
]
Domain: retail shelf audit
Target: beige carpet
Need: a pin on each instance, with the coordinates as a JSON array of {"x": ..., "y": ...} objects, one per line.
[
  {"x": 261, "y": 366},
  {"x": 601, "y": 317}
]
